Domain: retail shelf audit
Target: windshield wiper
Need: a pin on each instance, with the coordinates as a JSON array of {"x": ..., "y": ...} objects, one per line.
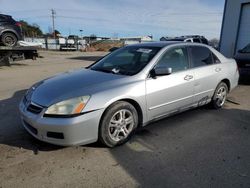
[
  {"x": 125, "y": 72},
  {"x": 105, "y": 70},
  {"x": 114, "y": 71}
]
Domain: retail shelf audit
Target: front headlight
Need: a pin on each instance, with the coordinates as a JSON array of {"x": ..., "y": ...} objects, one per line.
[{"x": 68, "y": 107}]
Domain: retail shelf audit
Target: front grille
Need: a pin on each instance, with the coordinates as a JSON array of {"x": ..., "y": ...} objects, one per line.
[
  {"x": 28, "y": 126},
  {"x": 34, "y": 108}
]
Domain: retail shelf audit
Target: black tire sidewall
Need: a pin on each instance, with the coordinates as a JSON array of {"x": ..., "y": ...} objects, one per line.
[
  {"x": 214, "y": 104},
  {"x": 12, "y": 36},
  {"x": 104, "y": 124}
]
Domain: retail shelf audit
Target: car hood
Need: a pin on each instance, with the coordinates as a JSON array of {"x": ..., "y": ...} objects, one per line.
[{"x": 71, "y": 84}]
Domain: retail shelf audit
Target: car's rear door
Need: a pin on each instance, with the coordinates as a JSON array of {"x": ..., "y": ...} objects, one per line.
[
  {"x": 206, "y": 68},
  {"x": 170, "y": 93}
]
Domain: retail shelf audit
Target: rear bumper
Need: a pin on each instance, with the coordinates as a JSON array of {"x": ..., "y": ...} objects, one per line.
[{"x": 62, "y": 131}]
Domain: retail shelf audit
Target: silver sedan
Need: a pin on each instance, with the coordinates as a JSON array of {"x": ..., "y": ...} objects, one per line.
[{"x": 126, "y": 89}]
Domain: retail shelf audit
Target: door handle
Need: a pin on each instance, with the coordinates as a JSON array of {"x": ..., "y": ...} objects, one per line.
[
  {"x": 217, "y": 69},
  {"x": 188, "y": 77}
]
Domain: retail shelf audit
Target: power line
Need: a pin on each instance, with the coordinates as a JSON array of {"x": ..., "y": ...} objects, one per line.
[{"x": 39, "y": 16}]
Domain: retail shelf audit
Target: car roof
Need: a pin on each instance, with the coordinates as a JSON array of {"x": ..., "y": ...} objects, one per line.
[
  {"x": 5, "y": 15},
  {"x": 160, "y": 44}
]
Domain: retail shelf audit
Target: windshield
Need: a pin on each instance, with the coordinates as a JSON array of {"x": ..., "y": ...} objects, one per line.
[
  {"x": 127, "y": 61},
  {"x": 246, "y": 49}
]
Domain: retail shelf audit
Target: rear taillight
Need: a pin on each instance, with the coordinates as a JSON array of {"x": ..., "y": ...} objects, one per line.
[{"x": 18, "y": 24}]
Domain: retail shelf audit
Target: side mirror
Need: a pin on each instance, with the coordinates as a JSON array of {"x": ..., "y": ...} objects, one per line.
[{"x": 161, "y": 71}]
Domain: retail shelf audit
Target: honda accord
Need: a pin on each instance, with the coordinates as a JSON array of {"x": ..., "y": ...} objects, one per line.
[{"x": 128, "y": 88}]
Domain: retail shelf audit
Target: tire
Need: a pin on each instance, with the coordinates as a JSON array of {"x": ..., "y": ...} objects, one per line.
[
  {"x": 114, "y": 130},
  {"x": 9, "y": 39},
  {"x": 220, "y": 96}
]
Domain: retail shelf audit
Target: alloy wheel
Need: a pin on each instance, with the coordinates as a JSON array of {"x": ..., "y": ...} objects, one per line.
[
  {"x": 221, "y": 96},
  {"x": 121, "y": 125}
]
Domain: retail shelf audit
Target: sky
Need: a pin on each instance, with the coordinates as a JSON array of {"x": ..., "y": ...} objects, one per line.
[{"x": 122, "y": 18}]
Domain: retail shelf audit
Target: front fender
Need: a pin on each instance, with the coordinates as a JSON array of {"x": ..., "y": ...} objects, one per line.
[{"x": 134, "y": 91}]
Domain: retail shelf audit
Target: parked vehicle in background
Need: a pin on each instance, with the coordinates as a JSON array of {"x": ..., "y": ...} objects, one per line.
[
  {"x": 10, "y": 31},
  {"x": 242, "y": 58},
  {"x": 126, "y": 89},
  {"x": 68, "y": 44},
  {"x": 187, "y": 38},
  {"x": 10, "y": 54}
]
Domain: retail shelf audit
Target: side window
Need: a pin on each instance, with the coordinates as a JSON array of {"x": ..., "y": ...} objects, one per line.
[
  {"x": 188, "y": 40},
  {"x": 175, "y": 58},
  {"x": 204, "y": 41},
  {"x": 2, "y": 18},
  {"x": 196, "y": 40},
  {"x": 201, "y": 56}
]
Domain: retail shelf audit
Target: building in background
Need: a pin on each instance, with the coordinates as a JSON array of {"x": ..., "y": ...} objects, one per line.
[{"x": 235, "y": 31}]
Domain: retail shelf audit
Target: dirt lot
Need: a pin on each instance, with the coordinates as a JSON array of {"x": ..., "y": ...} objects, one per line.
[{"x": 198, "y": 148}]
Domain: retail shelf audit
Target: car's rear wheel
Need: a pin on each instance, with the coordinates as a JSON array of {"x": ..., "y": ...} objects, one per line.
[
  {"x": 9, "y": 39},
  {"x": 118, "y": 124},
  {"x": 220, "y": 96}
]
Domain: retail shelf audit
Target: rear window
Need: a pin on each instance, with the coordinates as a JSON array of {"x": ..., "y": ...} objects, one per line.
[
  {"x": 201, "y": 56},
  {"x": 2, "y": 18}
]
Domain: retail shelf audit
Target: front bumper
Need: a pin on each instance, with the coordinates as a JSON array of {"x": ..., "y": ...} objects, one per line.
[{"x": 78, "y": 130}]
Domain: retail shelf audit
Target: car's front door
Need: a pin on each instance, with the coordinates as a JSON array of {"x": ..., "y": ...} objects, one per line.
[{"x": 170, "y": 93}]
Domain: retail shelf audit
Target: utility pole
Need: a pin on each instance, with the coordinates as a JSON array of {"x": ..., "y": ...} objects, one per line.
[{"x": 53, "y": 13}]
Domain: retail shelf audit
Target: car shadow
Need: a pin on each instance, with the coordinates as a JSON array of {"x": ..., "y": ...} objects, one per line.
[
  {"x": 15, "y": 63},
  {"x": 86, "y": 58},
  {"x": 12, "y": 132},
  {"x": 197, "y": 148},
  {"x": 18, "y": 64}
]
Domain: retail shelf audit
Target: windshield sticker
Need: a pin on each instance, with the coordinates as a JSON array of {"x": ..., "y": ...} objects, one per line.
[{"x": 144, "y": 50}]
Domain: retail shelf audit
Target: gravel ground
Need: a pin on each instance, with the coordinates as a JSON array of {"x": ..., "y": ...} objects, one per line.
[{"x": 198, "y": 148}]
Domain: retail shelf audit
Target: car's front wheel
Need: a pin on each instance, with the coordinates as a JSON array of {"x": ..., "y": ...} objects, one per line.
[
  {"x": 118, "y": 123},
  {"x": 220, "y": 96}
]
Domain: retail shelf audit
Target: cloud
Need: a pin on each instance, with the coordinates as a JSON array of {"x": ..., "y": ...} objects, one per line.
[{"x": 125, "y": 17}]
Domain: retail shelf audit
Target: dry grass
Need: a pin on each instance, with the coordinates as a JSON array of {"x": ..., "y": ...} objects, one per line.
[{"x": 104, "y": 46}]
